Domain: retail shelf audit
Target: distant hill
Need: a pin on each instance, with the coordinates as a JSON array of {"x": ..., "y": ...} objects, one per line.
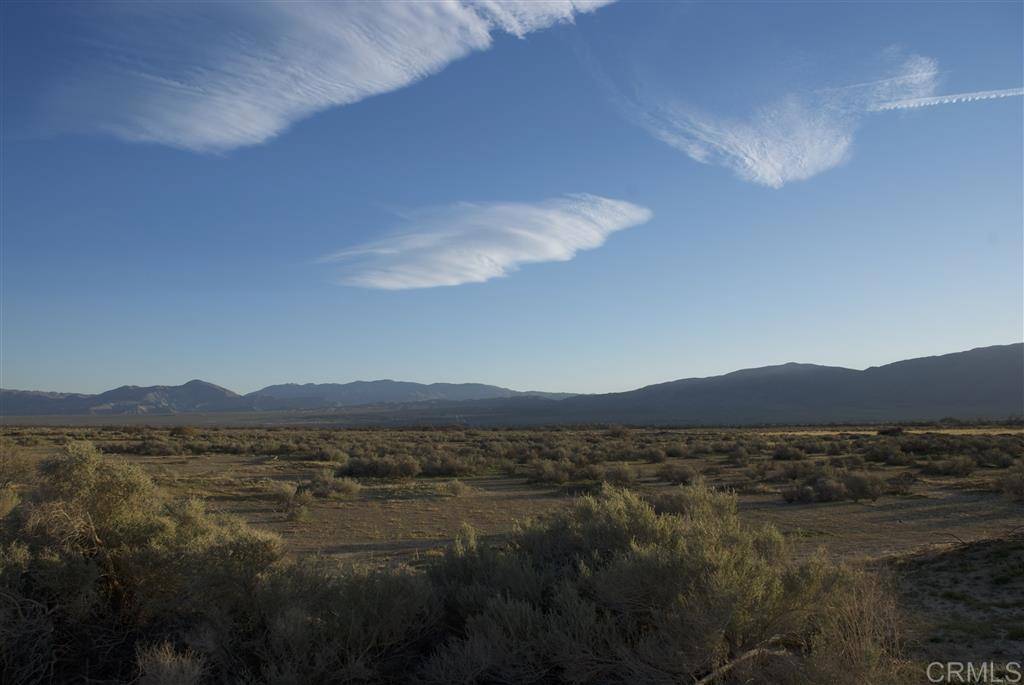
[
  {"x": 984, "y": 383},
  {"x": 319, "y": 395},
  {"x": 200, "y": 396},
  {"x": 194, "y": 396}
]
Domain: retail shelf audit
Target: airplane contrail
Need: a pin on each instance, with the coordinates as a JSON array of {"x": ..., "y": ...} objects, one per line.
[{"x": 914, "y": 103}]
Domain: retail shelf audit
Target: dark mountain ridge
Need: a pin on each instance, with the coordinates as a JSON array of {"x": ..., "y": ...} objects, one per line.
[
  {"x": 318, "y": 395},
  {"x": 982, "y": 383},
  {"x": 193, "y": 396},
  {"x": 201, "y": 396}
]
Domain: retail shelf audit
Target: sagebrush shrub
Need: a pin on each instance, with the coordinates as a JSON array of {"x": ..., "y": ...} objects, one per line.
[
  {"x": 619, "y": 474},
  {"x": 860, "y": 485},
  {"x": 162, "y": 665},
  {"x": 15, "y": 467},
  {"x": 611, "y": 591},
  {"x": 677, "y": 473},
  {"x": 957, "y": 466},
  {"x": 1011, "y": 482},
  {"x": 788, "y": 453},
  {"x": 102, "y": 576},
  {"x": 97, "y": 558}
]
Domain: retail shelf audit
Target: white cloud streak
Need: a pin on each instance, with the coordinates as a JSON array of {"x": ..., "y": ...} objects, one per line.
[
  {"x": 798, "y": 136},
  {"x": 213, "y": 77},
  {"x": 792, "y": 139},
  {"x": 948, "y": 99},
  {"x": 475, "y": 242}
]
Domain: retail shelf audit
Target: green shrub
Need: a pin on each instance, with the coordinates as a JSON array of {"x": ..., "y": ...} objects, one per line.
[
  {"x": 822, "y": 484},
  {"x": 995, "y": 458},
  {"x": 15, "y": 467},
  {"x": 151, "y": 446},
  {"x": 677, "y": 452},
  {"x": 456, "y": 488},
  {"x": 610, "y": 591},
  {"x": 545, "y": 471},
  {"x": 9, "y": 499},
  {"x": 313, "y": 623},
  {"x": 677, "y": 473},
  {"x": 901, "y": 484},
  {"x": 860, "y": 485},
  {"x": 97, "y": 559},
  {"x": 1011, "y": 482},
  {"x": 957, "y": 466},
  {"x": 398, "y": 468},
  {"x": 654, "y": 456},
  {"x": 696, "y": 500},
  {"x": 619, "y": 474},
  {"x": 738, "y": 456},
  {"x": 102, "y": 577},
  {"x": 325, "y": 484},
  {"x": 799, "y": 493},
  {"x": 788, "y": 453},
  {"x": 447, "y": 465},
  {"x": 339, "y": 457}
]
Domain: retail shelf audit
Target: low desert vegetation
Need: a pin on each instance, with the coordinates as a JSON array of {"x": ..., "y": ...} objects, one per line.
[
  {"x": 1011, "y": 482},
  {"x": 824, "y": 484},
  {"x": 677, "y": 473},
  {"x": 102, "y": 574},
  {"x": 456, "y": 488},
  {"x": 555, "y": 456},
  {"x": 325, "y": 483}
]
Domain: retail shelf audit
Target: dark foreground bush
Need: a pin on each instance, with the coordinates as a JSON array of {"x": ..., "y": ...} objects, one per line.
[
  {"x": 100, "y": 576},
  {"x": 1011, "y": 483}
]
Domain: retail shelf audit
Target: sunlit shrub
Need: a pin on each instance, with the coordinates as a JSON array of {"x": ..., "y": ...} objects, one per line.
[{"x": 610, "y": 591}]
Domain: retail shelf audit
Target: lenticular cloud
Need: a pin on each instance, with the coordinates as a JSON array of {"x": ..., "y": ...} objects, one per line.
[
  {"x": 219, "y": 76},
  {"x": 475, "y": 242}
]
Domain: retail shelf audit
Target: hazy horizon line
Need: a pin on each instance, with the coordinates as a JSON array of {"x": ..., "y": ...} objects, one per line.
[{"x": 507, "y": 387}]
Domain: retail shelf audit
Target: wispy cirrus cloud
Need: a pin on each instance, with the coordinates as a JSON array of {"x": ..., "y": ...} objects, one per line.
[
  {"x": 217, "y": 76},
  {"x": 475, "y": 242},
  {"x": 797, "y": 136},
  {"x": 791, "y": 139}
]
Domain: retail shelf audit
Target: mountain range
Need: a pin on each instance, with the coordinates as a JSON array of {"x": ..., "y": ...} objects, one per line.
[
  {"x": 201, "y": 396},
  {"x": 986, "y": 382}
]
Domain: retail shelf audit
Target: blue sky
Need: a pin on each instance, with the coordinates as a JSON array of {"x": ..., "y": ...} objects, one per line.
[{"x": 537, "y": 196}]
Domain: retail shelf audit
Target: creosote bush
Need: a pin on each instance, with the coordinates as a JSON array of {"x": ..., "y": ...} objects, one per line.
[{"x": 100, "y": 574}]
